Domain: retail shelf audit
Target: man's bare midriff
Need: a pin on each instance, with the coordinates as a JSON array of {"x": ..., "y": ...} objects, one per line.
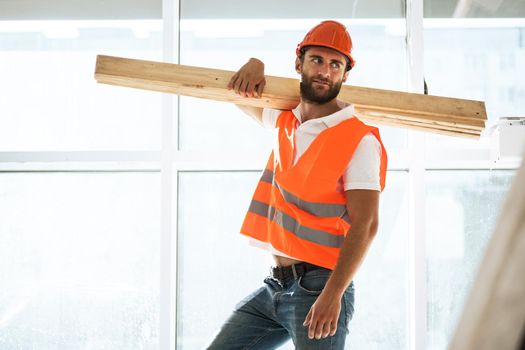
[{"x": 283, "y": 261}]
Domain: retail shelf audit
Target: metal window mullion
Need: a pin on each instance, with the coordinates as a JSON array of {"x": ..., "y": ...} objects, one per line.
[
  {"x": 417, "y": 249},
  {"x": 80, "y": 161},
  {"x": 417, "y": 320},
  {"x": 168, "y": 239},
  {"x": 78, "y": 156}
]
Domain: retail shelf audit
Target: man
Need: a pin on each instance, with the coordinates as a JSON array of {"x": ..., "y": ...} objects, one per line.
[{"x": 316, "y": 205}]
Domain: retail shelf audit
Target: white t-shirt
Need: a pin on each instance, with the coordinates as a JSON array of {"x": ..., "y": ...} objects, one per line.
[{"x": 362, "y": 172}]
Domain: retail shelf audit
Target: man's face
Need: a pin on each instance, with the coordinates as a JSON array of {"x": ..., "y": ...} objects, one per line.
[{"x": 322, "y": 74}]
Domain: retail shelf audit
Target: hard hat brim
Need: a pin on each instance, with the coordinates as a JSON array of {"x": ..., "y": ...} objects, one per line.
[{"x": 300, "y": 48}]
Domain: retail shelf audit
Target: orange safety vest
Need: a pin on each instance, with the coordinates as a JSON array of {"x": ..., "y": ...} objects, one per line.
[{"x": 297, "y": 208}]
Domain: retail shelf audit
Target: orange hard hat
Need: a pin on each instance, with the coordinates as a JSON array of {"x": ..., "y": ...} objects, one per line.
[{"x": 329, "y": 34}]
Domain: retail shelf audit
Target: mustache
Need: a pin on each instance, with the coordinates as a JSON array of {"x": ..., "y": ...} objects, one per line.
[{"x": 321, "y": 80}]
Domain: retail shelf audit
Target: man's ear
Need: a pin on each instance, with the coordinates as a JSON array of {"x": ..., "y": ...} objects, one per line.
[
  {"x": 345, "y": 76},
  {"x": 298, "y": 65}
]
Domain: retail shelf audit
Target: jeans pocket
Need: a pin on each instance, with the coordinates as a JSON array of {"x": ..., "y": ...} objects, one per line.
[{"x": 313, "y": 284}]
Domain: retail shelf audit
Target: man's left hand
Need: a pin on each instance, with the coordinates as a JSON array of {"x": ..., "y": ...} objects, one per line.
[{"x": 323, "y": 316}]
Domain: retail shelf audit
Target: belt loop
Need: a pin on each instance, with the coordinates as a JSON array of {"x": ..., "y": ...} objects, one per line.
[{"x": 294, "y": 272}]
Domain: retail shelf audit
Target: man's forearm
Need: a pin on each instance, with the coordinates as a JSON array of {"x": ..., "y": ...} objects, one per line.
[{"x": 352, "y": 254}]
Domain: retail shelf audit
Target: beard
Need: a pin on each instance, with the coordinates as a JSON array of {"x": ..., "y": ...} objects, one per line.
[{"x": 310, "y": 94}]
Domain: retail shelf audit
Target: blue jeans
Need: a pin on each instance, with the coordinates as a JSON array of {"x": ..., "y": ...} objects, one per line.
[{"x": 273, "y": 314}]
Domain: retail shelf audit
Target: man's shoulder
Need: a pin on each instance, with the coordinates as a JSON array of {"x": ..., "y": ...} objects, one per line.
[{"x": 270, "y": 116}]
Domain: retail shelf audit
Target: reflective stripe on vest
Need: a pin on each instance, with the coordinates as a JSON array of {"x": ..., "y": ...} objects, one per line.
[{"x": 289, "y": 223}]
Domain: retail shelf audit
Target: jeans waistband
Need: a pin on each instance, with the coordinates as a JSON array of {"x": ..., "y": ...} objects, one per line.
[{"x": 283, "y": 273}]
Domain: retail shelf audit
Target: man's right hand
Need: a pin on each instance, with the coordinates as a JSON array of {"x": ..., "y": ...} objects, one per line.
[{"x": 249, "y": 81}]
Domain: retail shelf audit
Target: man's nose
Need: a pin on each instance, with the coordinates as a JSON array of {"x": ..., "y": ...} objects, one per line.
[{"x": 323, "y": 70}]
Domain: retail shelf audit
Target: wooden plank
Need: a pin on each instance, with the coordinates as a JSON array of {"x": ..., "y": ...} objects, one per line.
[
  {"x": 443, "y": 130},
  {"x": 428, "y": 124},
  {"x": 420, "y": 104},
  {"x": 494, "y": 314},
  {"x": 456, "y": 122},
  {"x": 462, "y": 118}
]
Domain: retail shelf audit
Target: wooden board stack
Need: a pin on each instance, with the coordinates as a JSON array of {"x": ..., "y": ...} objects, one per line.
[{"x": 442, "y": 115}]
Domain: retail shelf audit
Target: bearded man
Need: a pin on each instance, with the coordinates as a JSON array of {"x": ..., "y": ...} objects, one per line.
[{"x": 315, "y": 208}]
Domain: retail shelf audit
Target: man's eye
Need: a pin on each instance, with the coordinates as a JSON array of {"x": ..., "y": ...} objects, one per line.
[{"x": 335, "y": 65}]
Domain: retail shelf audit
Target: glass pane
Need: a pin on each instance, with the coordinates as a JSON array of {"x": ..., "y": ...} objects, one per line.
[
  {"x": 209, "y": 9},
  {"x": 67, "y": 9},
  {"x": 50, "y": 99},
  {"x": 79, "y": 266},
  {"x": 474, "y": 9},
  {"x": 212, "y": 252},
  {"x": 477, "y": 59},
  {"x": 381, "y": 318},
  {"x": 218, "y": 268},
  {"x": 461, "y": 211},
  {"x": 218, "y": 43}
]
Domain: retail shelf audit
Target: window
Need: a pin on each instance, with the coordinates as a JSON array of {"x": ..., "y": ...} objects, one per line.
[
  {"x": 220, "y": 44},
  {"x": 79, "y": 260},
  {"x": 217, "y": 197},
  {"x": 51, "y": 100},
  {"x": 79, "y": 193},
  {"x": 218, "y": 268},
  {"x": 478, "y": 57},
  {"x": 459, "y": 222},
  {"x": 100, "y": 240},
  {"x": 470, "y": 50}
]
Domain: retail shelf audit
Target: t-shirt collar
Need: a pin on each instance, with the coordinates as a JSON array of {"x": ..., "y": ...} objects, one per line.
[{"x": 333, "y": 119}]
